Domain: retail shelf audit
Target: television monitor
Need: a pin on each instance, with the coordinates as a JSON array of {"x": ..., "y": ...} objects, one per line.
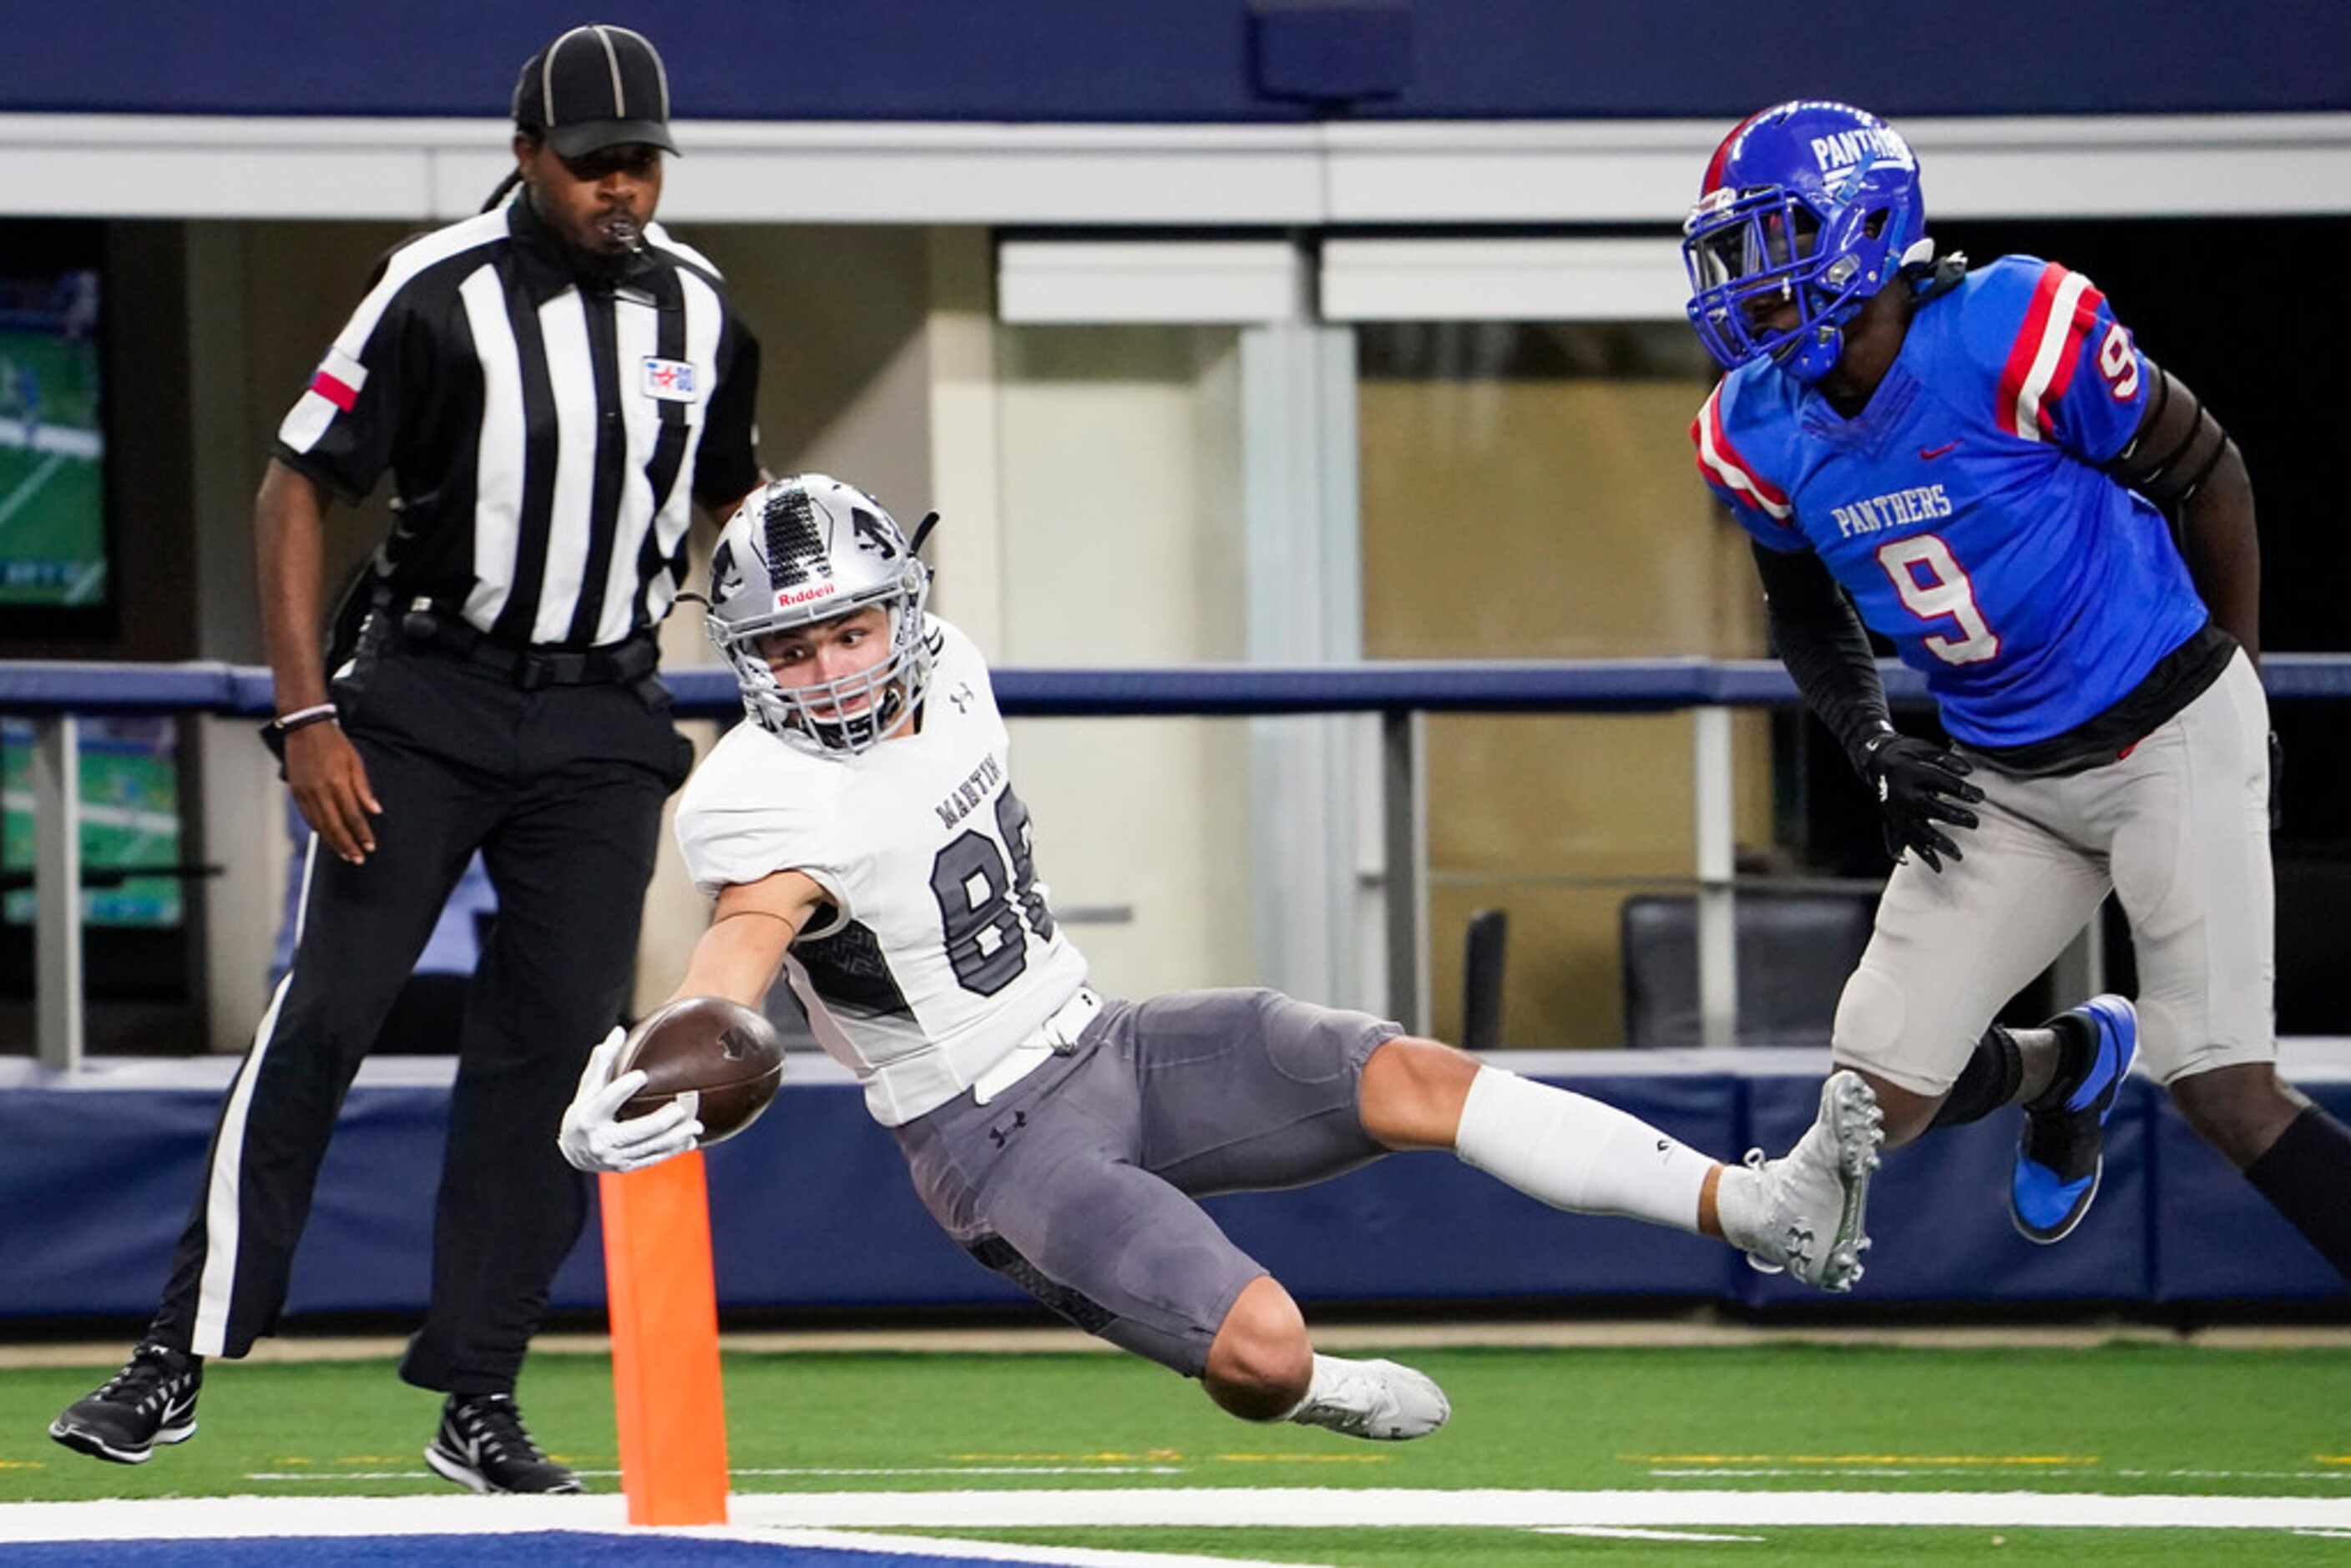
[{"x": 55, "y": 577}]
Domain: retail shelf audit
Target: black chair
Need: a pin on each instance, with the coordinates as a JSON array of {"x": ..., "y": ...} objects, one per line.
[
  {"x": 1795, "y": 950},
  {"x": 1481, "y": 979}
]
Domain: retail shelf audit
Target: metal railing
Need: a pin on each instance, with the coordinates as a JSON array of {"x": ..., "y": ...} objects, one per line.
[{"x": 53, "y": 693}]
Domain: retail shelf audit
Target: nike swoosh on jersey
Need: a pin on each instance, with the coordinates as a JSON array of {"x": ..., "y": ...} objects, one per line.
[{"x": 1928, "y": 453}]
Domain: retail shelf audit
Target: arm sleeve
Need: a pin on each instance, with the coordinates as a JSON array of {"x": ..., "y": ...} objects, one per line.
[
  {"x": 726, "y": 463},
  {"x": 343, "y": 431},
  {"x": 2069, "y": 372},
  {"x": 1818, "y": 636}
]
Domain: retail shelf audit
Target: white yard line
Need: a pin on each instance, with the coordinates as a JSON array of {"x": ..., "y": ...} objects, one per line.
[
  {"x": 30, "y": 488},
  {"x": 1627, "y": 1532},
  {"x": 57, "y": 440},
  {"x": 1354, "y": 1507},
  {"x": 331, "y": 1475},
  {"x": 992, "y": 1551},
  {"x": 97, "y": 813},
  {"x": 92, "y": 577}
]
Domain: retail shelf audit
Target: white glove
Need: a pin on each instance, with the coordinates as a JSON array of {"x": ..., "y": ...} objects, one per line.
[{"x": 593, "y": 1139}]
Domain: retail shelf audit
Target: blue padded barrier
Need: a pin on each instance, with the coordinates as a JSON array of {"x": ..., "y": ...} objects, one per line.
[
  {"x": 813, "y": 1208},
  {"x": 2213, "y": 1237}
]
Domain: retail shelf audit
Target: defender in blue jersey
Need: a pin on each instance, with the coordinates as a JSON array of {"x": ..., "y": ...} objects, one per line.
[{"x": 1982, "y": 467}]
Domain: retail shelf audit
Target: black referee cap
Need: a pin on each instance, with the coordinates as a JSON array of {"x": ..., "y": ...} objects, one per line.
[{"x": 594, "y": 86}]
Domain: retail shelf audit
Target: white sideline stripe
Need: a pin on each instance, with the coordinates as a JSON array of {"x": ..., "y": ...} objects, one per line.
[
  {"x": 245, "y": 1518},
  {"x": 777, "y": 1516}
]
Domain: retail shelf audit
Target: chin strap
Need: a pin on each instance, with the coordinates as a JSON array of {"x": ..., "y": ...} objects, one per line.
[
  {"x": 1930, "y": 277},
  {"x": 1817, "y": 354}
]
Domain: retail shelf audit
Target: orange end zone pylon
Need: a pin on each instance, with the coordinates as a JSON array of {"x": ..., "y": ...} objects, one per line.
[{"x": 665, "y": 1314}]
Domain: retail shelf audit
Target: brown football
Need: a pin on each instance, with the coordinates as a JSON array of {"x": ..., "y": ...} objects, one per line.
[{"x": 719, "y": 1050}]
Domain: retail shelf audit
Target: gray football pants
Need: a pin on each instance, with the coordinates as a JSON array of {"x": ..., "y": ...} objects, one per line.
[{"x": 2177, "y": 826}]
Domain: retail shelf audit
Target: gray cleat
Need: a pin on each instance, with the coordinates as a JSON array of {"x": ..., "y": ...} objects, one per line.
[
  {"x": 1809, "y": 1204},
  {"x": 1376, "y": 1399}
]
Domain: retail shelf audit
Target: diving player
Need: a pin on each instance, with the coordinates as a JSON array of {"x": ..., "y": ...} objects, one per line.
[
  {"x": 1981, "y": 464},
  {"x": 863, "y": 832}
]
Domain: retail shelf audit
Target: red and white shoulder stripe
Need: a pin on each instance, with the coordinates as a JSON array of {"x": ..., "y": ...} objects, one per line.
[
  {"x": 2040, "y": 362},
  {"x": 1720, "y": 462}
]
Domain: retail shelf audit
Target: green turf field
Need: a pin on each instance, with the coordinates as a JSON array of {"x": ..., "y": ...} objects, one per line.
[{"x": 2124, "y": 1420}]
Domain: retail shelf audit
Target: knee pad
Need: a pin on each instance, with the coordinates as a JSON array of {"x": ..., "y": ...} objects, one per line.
[
  {"x": 1870, "y": 1013},
  {"x": 1872, "y": 1031}
]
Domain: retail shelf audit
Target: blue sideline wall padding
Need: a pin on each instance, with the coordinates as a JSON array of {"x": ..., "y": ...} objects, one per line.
[
  {"x": 2215, "y": 1237},
  {"x": 812, "y": 1207},
  {"x": 1186, "y": 61}
]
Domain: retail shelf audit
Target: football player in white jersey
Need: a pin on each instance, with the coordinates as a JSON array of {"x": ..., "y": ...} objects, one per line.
[{"x": 862, "y": 834}]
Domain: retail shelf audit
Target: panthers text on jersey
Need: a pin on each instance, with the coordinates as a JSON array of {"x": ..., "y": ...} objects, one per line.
[
  {"x": 1964, "y": 509},
  {"x": 938, "y": 953}
]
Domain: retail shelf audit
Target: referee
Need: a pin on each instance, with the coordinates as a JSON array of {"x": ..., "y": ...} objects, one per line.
[{"x": 553, "y": 385}]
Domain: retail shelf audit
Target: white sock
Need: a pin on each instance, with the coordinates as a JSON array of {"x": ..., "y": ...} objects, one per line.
[
  {"x": 1326, "y": 1368},
  {"x": 1739, "y": 1206},
  {"x": 1574, "y": 1153}
]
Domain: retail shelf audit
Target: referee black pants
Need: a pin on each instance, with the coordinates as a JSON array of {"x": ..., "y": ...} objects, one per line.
[{"x": 561, "y": 791}]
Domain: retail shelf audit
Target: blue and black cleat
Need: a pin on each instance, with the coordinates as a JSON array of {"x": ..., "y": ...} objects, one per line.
[{"x": 2062, "y": 1156}]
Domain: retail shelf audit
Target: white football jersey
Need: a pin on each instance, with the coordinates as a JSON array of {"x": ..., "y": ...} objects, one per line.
[{"x": 938, "y": 953}]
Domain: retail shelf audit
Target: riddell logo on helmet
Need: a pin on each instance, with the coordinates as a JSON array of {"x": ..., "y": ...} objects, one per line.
[{"x": 785, "y": 601}]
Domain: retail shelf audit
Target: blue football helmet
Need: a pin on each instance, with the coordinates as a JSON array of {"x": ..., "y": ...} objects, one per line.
[{"x": 1807, "y": 204}]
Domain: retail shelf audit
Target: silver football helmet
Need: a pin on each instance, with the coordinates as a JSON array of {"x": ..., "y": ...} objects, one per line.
[{"x": 808, "y": 548}]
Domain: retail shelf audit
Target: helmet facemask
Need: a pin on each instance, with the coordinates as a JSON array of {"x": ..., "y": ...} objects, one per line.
[
  {"x": 805, "y": 551},
  {"x": 1776, "y": 232}
]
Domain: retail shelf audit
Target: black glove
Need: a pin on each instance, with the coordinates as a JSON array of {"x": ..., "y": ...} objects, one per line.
[{"x": 1917, "y": 785}]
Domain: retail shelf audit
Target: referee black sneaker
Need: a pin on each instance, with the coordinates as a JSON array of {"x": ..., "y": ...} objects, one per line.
[
  {"x": 151, "y": 1400},
  {"x": 483, "y": 1445}
]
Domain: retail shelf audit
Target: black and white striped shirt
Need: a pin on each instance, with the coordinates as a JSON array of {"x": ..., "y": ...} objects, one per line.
[{"x": 547, "y": 434}]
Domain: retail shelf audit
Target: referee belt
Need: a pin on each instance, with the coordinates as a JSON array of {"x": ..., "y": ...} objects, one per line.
[{"x": 529, "y": 668}]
